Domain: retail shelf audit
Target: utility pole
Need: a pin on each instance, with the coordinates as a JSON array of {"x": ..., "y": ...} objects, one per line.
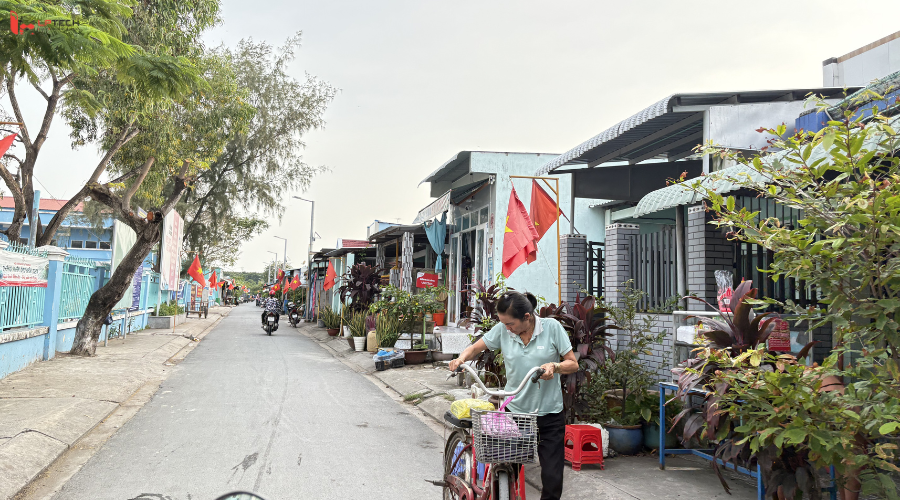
[
  {"x": 284, "y": 269},
  {"x": 273, "y": 266},
  {"x": 312, "y": 220}
]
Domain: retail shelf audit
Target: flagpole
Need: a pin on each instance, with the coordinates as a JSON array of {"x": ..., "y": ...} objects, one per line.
[{"x": 558, "y": 241}]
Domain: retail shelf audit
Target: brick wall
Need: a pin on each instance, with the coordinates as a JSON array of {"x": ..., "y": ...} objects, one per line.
[
  {"x": 660, "y": 358},
  {"x": 707, "y": 251},
  {"x": 617, "y": 268},
  {"x": 573, "y": 265}
]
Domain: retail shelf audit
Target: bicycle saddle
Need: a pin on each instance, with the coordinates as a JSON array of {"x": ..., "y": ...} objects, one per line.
[{"x": 465, "y": 423}]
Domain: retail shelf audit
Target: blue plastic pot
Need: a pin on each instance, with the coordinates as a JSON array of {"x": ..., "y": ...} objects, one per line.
[
  {"x": 651, "y": 437},
  {"x": 626, "y": 440}
]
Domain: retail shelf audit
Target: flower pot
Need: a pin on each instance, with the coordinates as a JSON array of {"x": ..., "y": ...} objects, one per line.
[
  {"x": 347, "y": 331},
  {"x": 359, "y": 343},
  {"x": 333, "y": 331},
  {"x": 416, "y": 357},
  {"x": 439, "y": 318},
  {"x": 428, "y": 317},
  {"x": 626, "y": 439},
  {"x": 320, "y": 324},
  {"x": 651, "y": 437}
]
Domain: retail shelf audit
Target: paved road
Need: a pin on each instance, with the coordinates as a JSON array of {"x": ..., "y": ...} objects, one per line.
[{"x": 275, "y": 415}]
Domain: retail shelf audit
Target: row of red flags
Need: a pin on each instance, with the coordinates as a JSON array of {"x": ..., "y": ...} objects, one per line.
[
  {"x": 195, "y": 271},
  {"x": 523, "y": 230}
]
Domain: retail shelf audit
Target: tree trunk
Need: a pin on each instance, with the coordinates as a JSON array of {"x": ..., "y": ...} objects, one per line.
[{"x": 103, "y": 300}]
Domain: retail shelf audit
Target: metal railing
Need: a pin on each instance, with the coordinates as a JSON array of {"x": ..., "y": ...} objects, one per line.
[
  {"x": 21, "y": 306},
  {"x": 595, "y": 266},
  {"x": 653, "y": 267},
  {"x": 79, "y": 280}
]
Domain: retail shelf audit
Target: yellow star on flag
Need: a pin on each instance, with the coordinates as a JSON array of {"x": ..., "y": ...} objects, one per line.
[{"x": 508, "y": 230}]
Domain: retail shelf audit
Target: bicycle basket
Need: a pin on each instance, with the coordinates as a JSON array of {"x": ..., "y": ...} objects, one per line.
[{"x": 502, "y": 437}]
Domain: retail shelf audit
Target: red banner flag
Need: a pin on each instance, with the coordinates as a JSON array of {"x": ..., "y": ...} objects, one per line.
[
  {"x": 295, "y": 283},
  {"x": 542, "y": 209},
  {"x": 330, "y": 276},
  {"x": 5, "y": 143},
  {"x": 196, "y": 272},
  {"x": 519, "y": 236},
  {"x": 280, "y": 275},
  {"x": 213, "y": 283}
]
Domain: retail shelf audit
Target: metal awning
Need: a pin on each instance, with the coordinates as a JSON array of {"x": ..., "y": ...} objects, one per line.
[
  {"x": 442, "y": 204},
  {"x": 452, "y": 169},
  {"x": 394, "y": 232},
  {"x": 668, "y": 129},
  {"x": 734, "y": 178}
]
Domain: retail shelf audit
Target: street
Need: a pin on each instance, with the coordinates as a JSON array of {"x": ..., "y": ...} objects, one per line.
[{"x": 275, "y": 415}]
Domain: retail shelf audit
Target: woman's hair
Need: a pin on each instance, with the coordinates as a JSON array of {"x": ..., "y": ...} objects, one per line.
[{"x": 517, "y": 304}]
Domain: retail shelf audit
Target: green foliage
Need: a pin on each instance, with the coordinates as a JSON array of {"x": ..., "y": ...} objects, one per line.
[
  {"x": 356, "y": 321},
  {"x": 388, "y": 328},
  {"x": 361, "y": 286},
  {"x": 330, "y": 317},
  {"x": 627, "y": 370},
  {"x": 845, "y": 180},
  {"x": 262, "y": 163},
  {"x": 171, "y": 308}
]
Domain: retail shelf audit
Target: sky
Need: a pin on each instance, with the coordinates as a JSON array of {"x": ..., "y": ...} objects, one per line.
[{"x": 422, "y": 80}]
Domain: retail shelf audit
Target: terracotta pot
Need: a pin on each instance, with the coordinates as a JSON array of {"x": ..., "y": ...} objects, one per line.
[
  {"x": 439, "y": 318},
  {"x": 416, "y": 357},
  {"x": 333, "y": 331}
]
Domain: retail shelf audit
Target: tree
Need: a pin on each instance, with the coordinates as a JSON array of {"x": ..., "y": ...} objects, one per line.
[
  {"x": 180, "y": 134},
  {"x": 845, "y": 180},
  {"x": 60, "y": 55},
  {"x": 246, "y": 185}
]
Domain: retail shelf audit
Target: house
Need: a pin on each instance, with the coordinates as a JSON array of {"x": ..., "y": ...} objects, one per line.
[
  {"x": 863, "y": 65},
  {"x": 76, "y": 234},
  {"x": 473, "y": 189}
]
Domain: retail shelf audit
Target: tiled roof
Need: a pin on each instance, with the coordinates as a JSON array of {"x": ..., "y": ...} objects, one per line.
[{"x": 345, "y": 243}]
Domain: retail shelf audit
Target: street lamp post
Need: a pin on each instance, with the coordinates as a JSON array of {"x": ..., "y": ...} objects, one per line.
[
  {"x": 312, "y": 233},
  {"x": 284, "y": 269},
  {"x": 273, "y": 266}
]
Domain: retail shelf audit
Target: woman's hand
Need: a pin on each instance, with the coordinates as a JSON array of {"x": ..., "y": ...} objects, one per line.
[
  {"x": 549, "y": 371},
  {"x": 455, "y": 364}
]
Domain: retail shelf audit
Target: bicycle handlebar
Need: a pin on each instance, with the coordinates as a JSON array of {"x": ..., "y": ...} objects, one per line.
[{"x": 534, "y": 374}]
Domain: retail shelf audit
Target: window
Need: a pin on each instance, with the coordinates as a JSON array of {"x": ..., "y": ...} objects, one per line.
[
  {"x": 484, "y": 215},
  {"x": 465, "y": 222},
  {"x": 53, "y": 242},
  {"x": 90, "y": 244},
  {"x": 104, "y": 245},
  {"x": 23, "y": 241},
  {"x": 76, "y": 244}
]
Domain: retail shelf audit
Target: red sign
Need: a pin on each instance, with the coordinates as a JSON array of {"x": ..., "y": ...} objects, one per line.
[
  {"x": 780, "y": 339},
  {"x": 425, "y": 280}
]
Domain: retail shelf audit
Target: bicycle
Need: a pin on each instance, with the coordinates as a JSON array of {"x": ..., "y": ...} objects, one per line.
[{"x": 491, "y": 457}]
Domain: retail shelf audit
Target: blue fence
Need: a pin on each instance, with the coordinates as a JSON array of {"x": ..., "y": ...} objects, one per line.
[
  {"x": 79, "y": 282},
  {"x": 22, "y": 306}
]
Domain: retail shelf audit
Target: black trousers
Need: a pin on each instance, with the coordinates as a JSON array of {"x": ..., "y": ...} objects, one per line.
[
  {"x": 551, "y": 452},
  {"x": 263, "y": 317}
]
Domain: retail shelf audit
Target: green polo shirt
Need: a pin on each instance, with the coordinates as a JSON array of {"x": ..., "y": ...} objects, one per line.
[{"x": 549, "y": 344}]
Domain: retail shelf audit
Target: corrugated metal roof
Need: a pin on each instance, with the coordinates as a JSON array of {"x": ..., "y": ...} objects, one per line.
[
  {"x": 665, "y": 115},
  {"x": 451, "y": 170},
  {"x": 733, "y": 178}
]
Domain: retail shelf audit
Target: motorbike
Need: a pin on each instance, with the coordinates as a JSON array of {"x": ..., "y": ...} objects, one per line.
[
  {"x": 270, "y": 325},
  {"x": 294, "y": 315}
]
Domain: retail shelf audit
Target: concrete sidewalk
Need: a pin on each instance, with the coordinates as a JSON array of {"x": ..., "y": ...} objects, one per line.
[
  {"x": 624, "y": 478},
  {"x": 48, "y": 407}
]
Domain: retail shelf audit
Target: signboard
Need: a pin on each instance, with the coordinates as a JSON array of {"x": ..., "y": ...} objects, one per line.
[
  {"x": 780, "y": 338},
  {"x": 123, "y": 239},
  {"x": 436, "y": 208},
  {"x": 18, "y": 269},
  {"x": 170, "y": 260},
  {"x": 426, "y": 280}
]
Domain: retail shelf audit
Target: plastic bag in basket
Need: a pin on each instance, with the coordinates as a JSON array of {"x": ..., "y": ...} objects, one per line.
[
  {"x": 463, "y": 407},
  {"x": 498, "y": 424}
]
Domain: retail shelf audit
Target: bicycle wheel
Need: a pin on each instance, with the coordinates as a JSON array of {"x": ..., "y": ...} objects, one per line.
[
  {"x": 502, "y": 486},
  {"x": 463, "y": 469}
]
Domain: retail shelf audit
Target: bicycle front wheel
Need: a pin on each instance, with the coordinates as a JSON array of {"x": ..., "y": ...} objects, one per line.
[{"x": 461, "y": 468}]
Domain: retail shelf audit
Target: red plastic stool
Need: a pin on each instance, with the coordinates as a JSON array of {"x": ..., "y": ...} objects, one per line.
[{"x": 584, "y": 445}]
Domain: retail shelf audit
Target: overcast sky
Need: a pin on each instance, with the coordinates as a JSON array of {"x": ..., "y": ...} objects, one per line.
[{"x": 421, "y": 80}]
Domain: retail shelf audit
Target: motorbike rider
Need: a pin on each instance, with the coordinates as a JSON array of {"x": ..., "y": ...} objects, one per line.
[{"x": 272, "y": 305}]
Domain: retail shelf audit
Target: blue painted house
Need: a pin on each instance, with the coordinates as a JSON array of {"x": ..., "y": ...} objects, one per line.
[{"x": 76, "y": 235}]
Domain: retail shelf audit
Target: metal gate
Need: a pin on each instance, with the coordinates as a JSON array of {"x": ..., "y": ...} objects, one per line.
[{"x": 595, "y": 268}]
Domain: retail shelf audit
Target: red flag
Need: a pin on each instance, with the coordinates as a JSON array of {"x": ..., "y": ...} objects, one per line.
[
  {"x": 5, "y": 143},
  {"x": 196, "y": 272},
  {"x": 295, "y": 282},
  {"x": 519, "y": 237},
  {"x": 212, "y": 281},
  {"x": 280, "y": 275},
  {"x": 542, "y": 209},
  {"x": 330, "y": 276}
]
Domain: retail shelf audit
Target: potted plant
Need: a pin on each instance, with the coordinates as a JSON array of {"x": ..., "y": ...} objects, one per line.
[
  {"x": 408, "y": 310},
  {"x": 628, "y": 372},
  {"x": 387, "y": 327},
  {"x": 357, "y": 321},
  {"x": 331, "y": 320}
]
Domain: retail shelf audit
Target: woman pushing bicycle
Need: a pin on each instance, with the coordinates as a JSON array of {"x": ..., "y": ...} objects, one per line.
[{"x": 527, "y": 341}]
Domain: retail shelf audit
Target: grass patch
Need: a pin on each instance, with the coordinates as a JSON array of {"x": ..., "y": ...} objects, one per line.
[
  {"x": 449, "y": 398},
  {"x": 414, "y": 396}
]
